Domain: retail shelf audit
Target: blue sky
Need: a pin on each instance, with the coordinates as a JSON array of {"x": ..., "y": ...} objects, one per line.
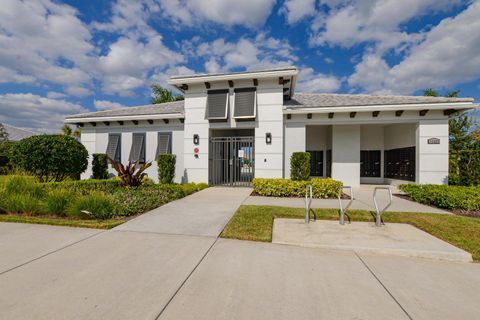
[{"x": 60, "y": 58}]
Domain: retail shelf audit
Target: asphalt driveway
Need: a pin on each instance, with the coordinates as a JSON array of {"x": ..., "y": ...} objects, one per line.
[{"x": 144, "y": 271}]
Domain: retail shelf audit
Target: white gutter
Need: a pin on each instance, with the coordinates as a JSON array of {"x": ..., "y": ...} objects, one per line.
[
  {"x": 126, "y": 118},
  {"x": 405, "y": 107},
  {"x": 233, "y": 76}
]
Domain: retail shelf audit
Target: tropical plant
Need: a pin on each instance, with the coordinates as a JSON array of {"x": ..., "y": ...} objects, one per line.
[
  {"x": 67, "y": 131},
  {"x": 132, "y": 174},
  {"x": 50, "y": 157},
  {"x": 162, "y": 95}
]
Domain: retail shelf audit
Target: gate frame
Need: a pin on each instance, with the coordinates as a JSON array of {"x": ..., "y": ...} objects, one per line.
[{"x": 229, "y": 177}]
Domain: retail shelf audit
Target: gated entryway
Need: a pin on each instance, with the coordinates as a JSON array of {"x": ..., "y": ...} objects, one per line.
[{"x": 231, "y": 161}]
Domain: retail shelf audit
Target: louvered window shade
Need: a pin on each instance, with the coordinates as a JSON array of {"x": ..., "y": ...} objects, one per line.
[
  {"x": 245, "y": 103},
  {"x": 137, "y": 152},
  {"x": 113, "y": 147},
  {"x": 217, "y": 104},
  {"x": 164, "y": 143}
]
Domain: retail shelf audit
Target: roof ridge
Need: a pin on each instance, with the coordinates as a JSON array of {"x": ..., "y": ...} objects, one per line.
[{"x": 379, "y": 95}]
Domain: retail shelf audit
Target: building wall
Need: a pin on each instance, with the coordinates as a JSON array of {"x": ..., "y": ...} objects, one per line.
[
  {"x": 432, "y": 159},
  {"x": 95, "y": 140},
  {"x": 346, "y": 154},
  {"x": 294, "y": 141}
]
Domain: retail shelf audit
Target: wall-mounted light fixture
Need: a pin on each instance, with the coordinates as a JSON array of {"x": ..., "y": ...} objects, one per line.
[
  {"x": 268, "y": 138},
  {"x": 196, "y": 139}
]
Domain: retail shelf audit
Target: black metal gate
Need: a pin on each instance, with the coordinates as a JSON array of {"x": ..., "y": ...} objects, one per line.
[{"x": 231, "y": 161}]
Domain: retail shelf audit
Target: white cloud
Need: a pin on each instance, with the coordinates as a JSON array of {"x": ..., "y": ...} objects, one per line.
[
  {"x": 248, "y": 13},
  {"x": 36, "y": 112},
  {"x": 378, "y": 21},
  {"x": 107, "y": 105},
  {"x": 309, "y": 81},
  {"x": 9, "y": 75},
  {"x": 44, "y": 41},
  {"x": 261, "y": 52},
  {"x": 449, "y": 55},
  {"x": 55, "y": 95},
  {"x": 296, "y": 10}
]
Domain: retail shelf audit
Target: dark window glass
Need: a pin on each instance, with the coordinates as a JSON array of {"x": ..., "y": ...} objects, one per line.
[{"x": 316, "y": 163}]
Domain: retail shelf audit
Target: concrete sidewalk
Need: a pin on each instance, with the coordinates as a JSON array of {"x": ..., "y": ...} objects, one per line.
[
  {"x": 204, "y": 213},
  {"x": 363, "y": 201}
]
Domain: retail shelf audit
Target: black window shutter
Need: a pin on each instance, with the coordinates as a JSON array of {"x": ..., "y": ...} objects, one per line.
[
  {"x": 217, "y": 104},
  {"x": 245, "y": 103}
]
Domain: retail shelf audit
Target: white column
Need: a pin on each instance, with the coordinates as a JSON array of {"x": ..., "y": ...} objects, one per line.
[
  {"x": 88, "y": 139},
  {"x": 432, "y": 157},
  {"x": 295, "y": 138},
  {"x": 346, "y": 154}
]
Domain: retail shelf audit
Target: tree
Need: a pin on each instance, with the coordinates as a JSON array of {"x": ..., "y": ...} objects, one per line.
[
  {"x": 3, "y": 134},
  {"x": 162, "y": 95},
  {"x": 430, "y": 92},
  {"x": 67, "y": 131},
  {"x": 50, "y": 157}
]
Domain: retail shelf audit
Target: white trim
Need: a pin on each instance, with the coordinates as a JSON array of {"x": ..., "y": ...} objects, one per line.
[
  {"x": 233, "y": 76},
  {"x": 254, "y": 107},
  {"x": 406, "y": 107},
  {"x": 126, "y": 118}
]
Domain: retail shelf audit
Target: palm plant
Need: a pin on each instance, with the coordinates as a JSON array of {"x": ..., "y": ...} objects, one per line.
[{"x": 132, "y": 174}]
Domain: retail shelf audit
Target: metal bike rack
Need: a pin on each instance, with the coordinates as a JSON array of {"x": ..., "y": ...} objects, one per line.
[
  {"x": 378, "y": 219},
  {"x": 342, "y": 209},
  {"x": 308, "y": 202}
]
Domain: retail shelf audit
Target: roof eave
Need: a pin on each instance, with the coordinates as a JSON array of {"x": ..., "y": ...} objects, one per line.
[
  {"x": 406, "y": 107},
  {"x": 126, "y": 118},
  {"x": 234, "y": 76}
]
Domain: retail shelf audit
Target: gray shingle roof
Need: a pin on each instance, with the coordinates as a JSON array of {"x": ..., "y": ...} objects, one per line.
[
  {"x": 151, "y": 109},
  {"x": 17, "y": 134},
  {"x": 324, "y": 100}
]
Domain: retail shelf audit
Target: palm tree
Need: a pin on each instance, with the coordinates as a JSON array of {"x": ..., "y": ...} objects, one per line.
[
  {"x": 162, "y": 95},
  {"x": 66, "y": 130},
  {"x": 430, "y": 92}
]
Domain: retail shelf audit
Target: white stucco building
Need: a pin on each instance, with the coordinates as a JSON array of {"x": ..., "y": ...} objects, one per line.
[{"x": 235, "y": 126}]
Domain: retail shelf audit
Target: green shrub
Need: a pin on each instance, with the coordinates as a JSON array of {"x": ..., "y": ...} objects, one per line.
[
  {"x": 57, "y": 201},
  {"x": 321, "y": 188},
  {"x": 300, "y": 166},
  {"x": 464, "y": 168},
  {"x": 5, "y": 157},
  {"x": 23, "y": 203},
  {"x": 50, "y": 157},
  {"x": 166, "y": 168},
  {"x": 445, "y": 196},
  {"x": 100, "y": 166},
  {"x": 98, "y": 205},
  {"x": 85, "y": 187}
]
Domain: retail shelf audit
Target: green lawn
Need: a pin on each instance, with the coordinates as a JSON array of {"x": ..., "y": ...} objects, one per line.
[
  {"x": 255, "y": 223},
  {"x": 66, "y": 222}
]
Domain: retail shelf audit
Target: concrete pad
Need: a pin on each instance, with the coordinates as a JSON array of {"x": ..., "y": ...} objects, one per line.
[
  {"x": 392, "y": 239},
  {"x": 363, "y": 200},
  {"x": 115, "y": 275},
  {"x": 252, "y": 280},
  {"x": 430, "y": 289},
  {"x": 204, "y": 213},
  {"x": 21, "y": 242}
]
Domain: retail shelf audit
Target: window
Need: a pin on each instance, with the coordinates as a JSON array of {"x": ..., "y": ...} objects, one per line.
[
  {"x": 400, "y": 163},
  {"x": 137, "y": 152},
  {"x": 114, "y": 150},
  {"x": 245, "y": 103},
  {"x": 164, "y": 145},
  {"x": 217, "y": 104},
  {"x": 316, "y": 163},
  {"x": 370, "y": 163}
]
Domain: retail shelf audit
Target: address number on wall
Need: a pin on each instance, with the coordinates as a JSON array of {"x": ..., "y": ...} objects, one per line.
[{"x": 433, "y": 141}]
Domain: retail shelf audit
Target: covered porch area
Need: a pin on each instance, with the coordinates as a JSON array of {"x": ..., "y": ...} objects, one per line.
[{"x": 373, "y": 153}]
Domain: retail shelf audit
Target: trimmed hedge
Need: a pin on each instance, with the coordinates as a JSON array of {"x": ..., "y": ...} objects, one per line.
[
  {"x": 166, "y": 167},
  {"x": 322, "y": 188},
  {"x": 100, "y": 166},
  {"x": 445, "y": 196},
  {"x": 300, "y": 166}
]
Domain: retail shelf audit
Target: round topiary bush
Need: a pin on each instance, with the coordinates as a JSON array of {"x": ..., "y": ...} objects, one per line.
[{"x": 50, "y": 157}]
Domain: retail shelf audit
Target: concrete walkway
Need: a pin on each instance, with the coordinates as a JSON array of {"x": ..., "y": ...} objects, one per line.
[
  {"x": 363, "y": 201},
  {"x": 140, "y": 272}
]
